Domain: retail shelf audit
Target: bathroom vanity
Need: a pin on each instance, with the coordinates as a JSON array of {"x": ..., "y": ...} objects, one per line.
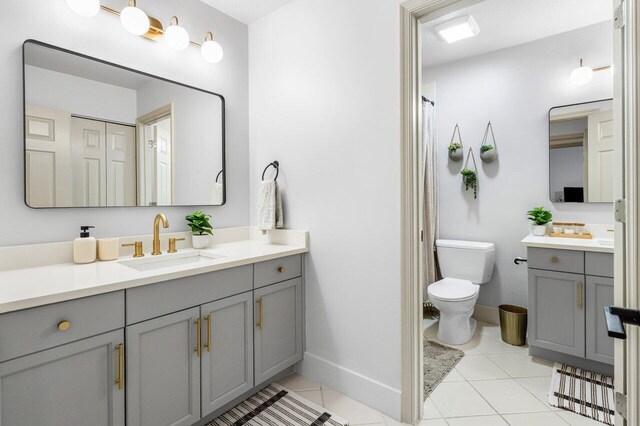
[
  {"x": 570, "y": 282},
  {"x": 166, "y": 345}
]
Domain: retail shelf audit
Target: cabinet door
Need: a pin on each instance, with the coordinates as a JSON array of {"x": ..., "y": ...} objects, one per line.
[
  {"x": 227, "y": 354},
  {"x": 163, "y": 370},
  {"x": 599, "y": 294},
  {"x": 278, "y": 331},
  {"x": 557, "y": 311},
  {"x": 70, "y": 385}
]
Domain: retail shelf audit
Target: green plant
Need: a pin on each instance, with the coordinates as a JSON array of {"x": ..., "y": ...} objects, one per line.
[
  {"x": 470, "y": 180},
  {"x": 539, "y": 216},
  {"x": 454, "y": 147},
  {"x": 485, "y": 148},
  {"x": 199, "y": 223}
]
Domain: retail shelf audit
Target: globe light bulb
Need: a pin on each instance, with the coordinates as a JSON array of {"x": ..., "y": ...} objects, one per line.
[
  {"x": 211, "y": 50},
  {"x": 176, "y": 37},
  {"x": 134, "y": 20},
  {"x": 581, "y": 75}
]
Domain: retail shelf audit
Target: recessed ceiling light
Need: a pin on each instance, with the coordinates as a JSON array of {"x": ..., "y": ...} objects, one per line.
[{"x": 458, "y": 29}]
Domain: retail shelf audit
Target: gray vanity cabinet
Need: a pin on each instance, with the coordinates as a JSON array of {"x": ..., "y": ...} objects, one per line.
[
  {"x": 163, "y": 371},
  {"x": 557, "y": 314},
  {"x": 227, "y": 354},
  {"x": 599, "y": 293},
  {"x": 71, "y": 385},
  {"x": 278, "y": 330}
]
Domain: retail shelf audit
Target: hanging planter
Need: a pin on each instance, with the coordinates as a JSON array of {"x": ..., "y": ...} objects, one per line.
[
  {"x": 456, "y": 152},
  {"x": 469, "y": 176},
  {"x": 488, "y": 152}
]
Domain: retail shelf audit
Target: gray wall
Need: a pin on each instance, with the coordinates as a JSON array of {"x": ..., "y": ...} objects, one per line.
[
  {"x": 103, "y": 37},
  {"x": 514, "y": 88}
]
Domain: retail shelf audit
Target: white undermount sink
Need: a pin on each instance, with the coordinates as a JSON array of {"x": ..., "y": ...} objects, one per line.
[
  {"x": 605, "y": 242},
  {"x": 149, "y": 263}
]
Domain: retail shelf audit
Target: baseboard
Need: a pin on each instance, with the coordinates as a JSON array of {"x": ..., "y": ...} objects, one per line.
[
  {"x": 487, "y": 314},
  {"x": 361, "y": 388}
]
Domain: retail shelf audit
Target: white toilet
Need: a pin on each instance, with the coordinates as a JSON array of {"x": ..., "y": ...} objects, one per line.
[{"x": 464, "y": 264}]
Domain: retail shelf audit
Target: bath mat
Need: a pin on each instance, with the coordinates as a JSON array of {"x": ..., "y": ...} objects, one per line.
[
  {"x": 438, "y": 361},
  {"x": 277, "y": 406},
  {"x": 583, "y": 392}
]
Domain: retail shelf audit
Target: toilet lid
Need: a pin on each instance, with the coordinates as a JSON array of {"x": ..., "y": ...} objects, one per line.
[{"x": 453, "y": 289}]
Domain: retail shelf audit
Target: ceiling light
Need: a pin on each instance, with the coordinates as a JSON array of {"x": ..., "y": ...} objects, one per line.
[
  {"x": 176, "y": 37},
  {"x": 86, "y": 8},
  {"x": 134, "y": 20},
  {"x": 581, "y": 75},
  {"x": 211, "y": 50},
  {"x": 458, "y": 29}
]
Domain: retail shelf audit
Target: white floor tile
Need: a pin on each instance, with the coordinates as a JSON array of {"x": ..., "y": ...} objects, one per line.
[
  {"x": 477, "y": 421},
  {"x": 350, "y": 409},
  {"x": 459, "y": 399},
  {"x": 522, "y": 365},
  {"x": 297, "y": 383},
  {"x": 492, "y": 344},
  {"x": 314, "y": 396},
  {"x": 453, "y": 376},
  {"x": 539, "y": 387},
  {"x": 534, "y": 419},
  {"x": 393, "y": 422},
  {"x": 430, "y": 411},
  {"x": 479, "y": 367},
  {"x": 433, "y": 422},
  {"x": 507, "y": 396},
  {"x": 576, "y": 419}
]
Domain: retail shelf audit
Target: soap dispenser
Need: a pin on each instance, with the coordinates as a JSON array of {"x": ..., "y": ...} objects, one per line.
[{"x": 84, "y": 247}]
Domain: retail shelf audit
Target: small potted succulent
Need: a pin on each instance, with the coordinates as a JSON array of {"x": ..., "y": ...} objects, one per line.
[
  {"x": 539, "y": 217},
  {"x": 200, "y": 227},
  {"x": 455, "y": 151},
  {"x": 470, "y": 180},
  {"x": 488, "y": 153}
]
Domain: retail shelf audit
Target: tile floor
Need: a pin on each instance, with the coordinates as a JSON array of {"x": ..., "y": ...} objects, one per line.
[{"x": 494, "y": 384}]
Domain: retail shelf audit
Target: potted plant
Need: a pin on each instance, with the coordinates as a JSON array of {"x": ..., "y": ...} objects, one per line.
[
  {"x": 200, "y": 227},
  {"x": 455, "y": 151},
  {"x": 539, "y": 218},
  {"x": 470, "y": 180},
  {"x": 488, "y": 153}
]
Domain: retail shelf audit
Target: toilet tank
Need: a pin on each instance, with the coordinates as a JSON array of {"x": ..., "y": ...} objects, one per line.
[{"x": 466, "y": 260}]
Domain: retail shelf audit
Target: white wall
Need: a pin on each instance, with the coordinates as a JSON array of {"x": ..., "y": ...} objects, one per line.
[
  {"x": 514, "y": 88},
  {"x": 54, "y": 22},
  {"x": 324, "y": 84}
]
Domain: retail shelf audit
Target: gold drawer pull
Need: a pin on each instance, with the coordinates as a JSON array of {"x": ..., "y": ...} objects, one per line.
[
  {"x": 208, "y": 344},
  {"x": 554, "y": 259},
  {"x": 580, "y": 295},
  {"x": 198, "y": 337},
  {"x": 120, "y": 379},
  {"x": 280, "y": 268},
  {"x": 64, "y": 325},
  {"x": 259, "y": 323}
]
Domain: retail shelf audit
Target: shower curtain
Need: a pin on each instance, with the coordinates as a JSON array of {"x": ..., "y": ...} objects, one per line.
[{"x": 429, "y": 196}]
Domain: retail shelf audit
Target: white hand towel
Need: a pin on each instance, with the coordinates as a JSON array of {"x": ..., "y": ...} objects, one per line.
[
  {"x": 270, "y": 215},
  {"x": 216, "y": 194}
]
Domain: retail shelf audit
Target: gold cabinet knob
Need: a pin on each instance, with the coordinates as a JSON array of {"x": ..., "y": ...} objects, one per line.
[
  {"x": 64, "y": 325},
  {"x": 554, "y": 259},
  {"x": 281, "y": 268}
]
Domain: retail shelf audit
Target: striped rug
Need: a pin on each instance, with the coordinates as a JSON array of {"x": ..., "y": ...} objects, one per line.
[
  {"x": 277, "y": 406},
  {"x": 583, "y": 392}
]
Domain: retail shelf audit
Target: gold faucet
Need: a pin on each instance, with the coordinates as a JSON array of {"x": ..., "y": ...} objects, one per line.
[{"x": 156, "y": 232}]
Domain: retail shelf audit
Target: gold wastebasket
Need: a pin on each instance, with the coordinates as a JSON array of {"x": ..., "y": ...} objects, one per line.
[{"x": 513, "y": 324}]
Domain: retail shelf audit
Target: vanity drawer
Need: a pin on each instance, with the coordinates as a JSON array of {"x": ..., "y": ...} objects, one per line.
[
  {"x": 155, "y": 300},
  {"x": 556, "y": 260},
  {"x": 35, "y": 329},
  {"x": 277, "y": 270},
  {"x": 599, "y": 264}
]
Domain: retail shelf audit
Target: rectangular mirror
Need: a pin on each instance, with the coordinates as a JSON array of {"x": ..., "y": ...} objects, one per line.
[
  {"x": 581, "y": 156},
  {"x": 101, "y": 135}
]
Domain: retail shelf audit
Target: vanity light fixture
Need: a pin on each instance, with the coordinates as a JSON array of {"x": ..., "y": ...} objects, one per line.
[
  {"x": 86, "y": 8},
  {"x": 176, "y": 37},
  {"x": 583, "y": 74},
  {"x": 458, "y": 29},
  {"x": 211, "y": 50},
  {"x": 134, "y": 20}
]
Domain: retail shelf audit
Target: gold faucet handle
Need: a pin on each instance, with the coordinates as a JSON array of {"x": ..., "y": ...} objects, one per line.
[
  {"x": 138, "y": 248},
  {"x": 172, "y": 244}
]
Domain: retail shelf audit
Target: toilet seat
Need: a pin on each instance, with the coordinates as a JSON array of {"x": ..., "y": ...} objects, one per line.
[{"x": 453, "y": 289}]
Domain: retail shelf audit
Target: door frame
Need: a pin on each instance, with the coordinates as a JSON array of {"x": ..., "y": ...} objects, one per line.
[{"x": 412, "y": 13}]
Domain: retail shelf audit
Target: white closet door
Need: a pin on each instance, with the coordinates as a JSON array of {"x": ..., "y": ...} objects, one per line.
[
  {"x": 600, "y": 157},
  {"x": 47, "y": 158},
  {"x": 121, "y": 165},
  {"x": 163, "y": 166},
  {"x": 89, "y": 158}
]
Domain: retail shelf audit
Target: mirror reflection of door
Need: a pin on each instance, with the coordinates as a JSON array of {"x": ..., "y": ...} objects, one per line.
[
  {"x": 155, "y": 168},
  {"x": 600, "y": 156}
]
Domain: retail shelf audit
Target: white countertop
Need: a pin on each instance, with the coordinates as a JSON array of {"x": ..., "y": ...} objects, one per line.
[
  {"x": 36, "y": 286},
  {"x": 566, "y": 244}
]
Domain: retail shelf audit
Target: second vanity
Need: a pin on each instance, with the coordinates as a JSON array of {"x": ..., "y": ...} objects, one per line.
[
  {"x": 570, "y": 282},
  {"x": 173, "y": 345}
]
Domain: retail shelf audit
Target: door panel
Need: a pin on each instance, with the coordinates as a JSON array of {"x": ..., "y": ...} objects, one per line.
[
  {"x": 88, "y": 153},
  {"x": 227, "y": 364},
  {"x": 600, "y": 156},
  {"x": 121, "y": 165},
  {"x": 599, "y": 294},
  {"x": 71, "y": 385}
]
